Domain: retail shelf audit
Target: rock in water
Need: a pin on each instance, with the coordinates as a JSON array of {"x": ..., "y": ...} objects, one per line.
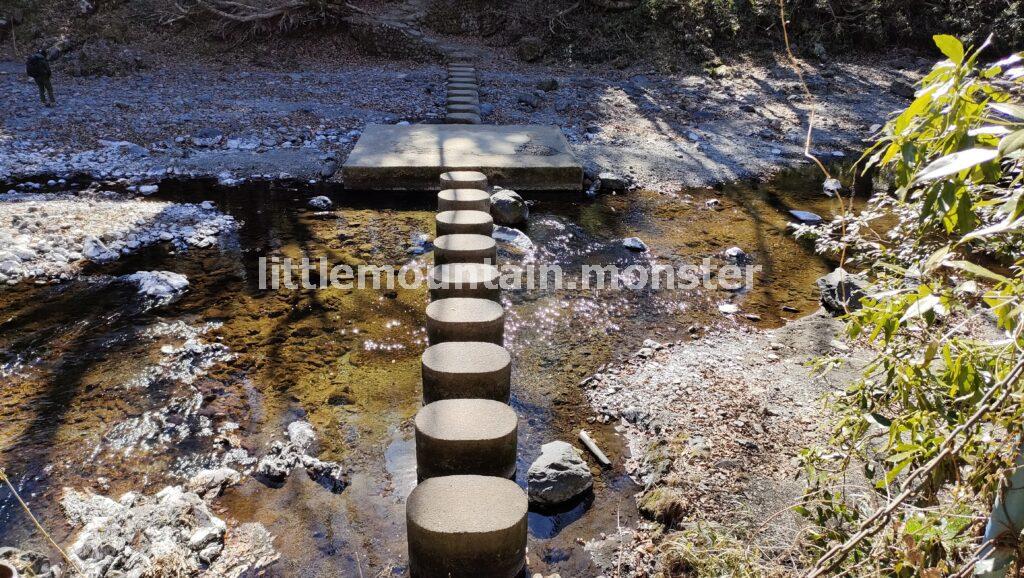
[
  {"x": 29, "y": 563},
  {"x": 508, "y": 208},
  {"x": 558, "y": 475},
  {"x": 211, "y": 483},
  {"x": 320, "y": 203},
  {"x": 611, "y": 182},
  {"x": 831, "y": 187},
  {"x": 283, "y": 457},
  {"x": 161, "y": 286},
  {"x": 841, "y": 291},
  {"x": 736, "y": 256},
  {"x": 806, "y": 217},
  {"x": 94, "y": 250},
  {"x": 301, "y": 434},
  {"x": 728, "y": 308},
  {"x": 634, "y": 244},
  {"x": 513, "y": 237}
]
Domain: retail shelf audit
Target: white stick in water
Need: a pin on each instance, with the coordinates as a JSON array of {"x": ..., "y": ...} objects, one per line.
[{"x": 589, "y": 442}]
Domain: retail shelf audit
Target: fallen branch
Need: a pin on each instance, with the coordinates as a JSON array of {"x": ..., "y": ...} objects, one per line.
[{"x": 592, "y": 446}]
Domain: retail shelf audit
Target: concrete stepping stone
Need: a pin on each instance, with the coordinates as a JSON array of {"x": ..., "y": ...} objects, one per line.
[
  {"x": 462, "y": 118},
  {"x": 465, "y": 249},
  {"x": 463, "y": 99},
  {"x": 463, "y": 86},
  {"x": 466, "y": 436},
  {"x": 464, "y": 180},
  {"x": 463, "y": 71},
  {"x": 474, "y": 93},
  {"x": 472, "y": 280},
  {"x": 463, "y": 222},
  {"x": 465, "y": 320},
  {"x": 458, "y": 369},
  {"x": 467, "y": 527},
  {"x": 462, "y": 108},
  {"x": 463, "y": 77},
  {"x": 464, "y": 199}
]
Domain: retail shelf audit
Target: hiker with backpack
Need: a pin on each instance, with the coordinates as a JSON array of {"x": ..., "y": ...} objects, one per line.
[{"x": 38, "y": 67}]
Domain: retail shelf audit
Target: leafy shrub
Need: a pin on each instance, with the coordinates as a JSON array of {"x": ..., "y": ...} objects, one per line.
[{"x": 936, "y": 422}]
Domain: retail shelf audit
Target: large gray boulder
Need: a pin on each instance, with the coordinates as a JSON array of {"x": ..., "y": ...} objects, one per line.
[
  {"x": 558, "y": 475},
  {"x": 508, "y": 208},
  {"x": 842, "y": 291}
]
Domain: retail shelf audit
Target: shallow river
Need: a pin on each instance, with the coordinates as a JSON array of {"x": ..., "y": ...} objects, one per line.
[{"x": 100, "y": 392}]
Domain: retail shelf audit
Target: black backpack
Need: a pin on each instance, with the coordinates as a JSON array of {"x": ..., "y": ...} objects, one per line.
[{"x": 37, "y": 66}]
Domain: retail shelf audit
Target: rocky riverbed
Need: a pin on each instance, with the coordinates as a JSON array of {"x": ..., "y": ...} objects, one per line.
[{"x": 185, "y": 382}]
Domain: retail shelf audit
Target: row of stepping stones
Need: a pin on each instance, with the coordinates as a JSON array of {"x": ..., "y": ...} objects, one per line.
[
  {"x": 462, "y": 104},
  {"x": 466, "y": 517}
]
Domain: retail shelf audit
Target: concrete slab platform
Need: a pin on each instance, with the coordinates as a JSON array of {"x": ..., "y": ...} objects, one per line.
[
  {"x": 466, "y": 436},
  {"x": 410, "y": 158},
  {"x": 467, "y": 527}
]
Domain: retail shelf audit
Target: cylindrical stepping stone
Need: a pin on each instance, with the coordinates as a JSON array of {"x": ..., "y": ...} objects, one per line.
[
  {"x": 462, "y": 100},
  {"x": 464, "y": 222},
  {"x": 466, "y": 527},
  {"x": 463, "y": 108},
  {"x": 463, "y": 180},
  {"x": 458, "y": 369},
  {"x": 465, "y": 320},
  {"x": 466, "y": 436},
  {"x": 464, "y": 200},
  {"x": 462, "y": 118},
  {"x": 472, "y": 280},
  {"x": 465, "y": 249}
]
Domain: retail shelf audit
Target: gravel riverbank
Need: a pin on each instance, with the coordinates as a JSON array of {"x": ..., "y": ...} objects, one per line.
[{"x": 661, "y": 131}]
